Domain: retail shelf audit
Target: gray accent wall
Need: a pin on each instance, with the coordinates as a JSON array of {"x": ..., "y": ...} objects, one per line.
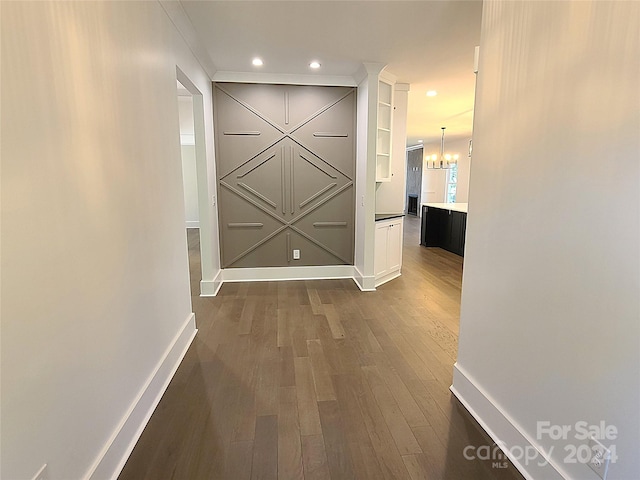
[{"x": 285, "y": 159}]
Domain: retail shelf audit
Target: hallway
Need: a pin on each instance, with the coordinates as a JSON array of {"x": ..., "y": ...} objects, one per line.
[{"x": 315, "y": 379}]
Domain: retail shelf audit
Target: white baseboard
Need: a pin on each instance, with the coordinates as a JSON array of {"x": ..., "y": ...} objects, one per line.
[
  {"x": 503, "y": 429},
  {"x": 364, "y": 283},
  {"x": 286, "y": 273},
  {"x": 116, "y": 451},
  {"x": 210, "y": 288},
  {"x": 386, "y": 278},
  {"x": 192, "y": 223}
]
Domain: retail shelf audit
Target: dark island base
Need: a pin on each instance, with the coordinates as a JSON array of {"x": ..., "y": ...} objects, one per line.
[{"x": 443, "y": 228}]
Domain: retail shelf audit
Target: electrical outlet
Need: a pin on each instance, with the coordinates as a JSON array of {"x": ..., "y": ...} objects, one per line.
[
  {"x": 296, "y": 254},
  {"x": 600, "y": 458},
  {"x": 42, "y": 473}
]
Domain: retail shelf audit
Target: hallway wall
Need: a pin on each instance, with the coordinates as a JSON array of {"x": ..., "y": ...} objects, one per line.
[
  {"x": 95, "y": 284},
  {"x": 549, "y": 323}
]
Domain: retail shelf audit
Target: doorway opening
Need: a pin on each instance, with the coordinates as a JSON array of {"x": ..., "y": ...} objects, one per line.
[
  {"x": 412, "y": 204},
  {"x": 190, "y": 184},
  {"x": 200, "y": 218}
]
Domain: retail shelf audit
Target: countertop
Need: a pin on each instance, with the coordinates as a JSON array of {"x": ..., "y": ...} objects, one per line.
[
  {"x": 456, "y": 207},
  {"x": 387, "y": 216}
]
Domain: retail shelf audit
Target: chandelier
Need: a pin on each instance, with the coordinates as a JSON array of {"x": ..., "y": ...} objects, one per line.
[{"x": 445, "y": 160}]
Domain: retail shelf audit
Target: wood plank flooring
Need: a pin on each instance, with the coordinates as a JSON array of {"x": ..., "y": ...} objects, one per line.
[{"x": 317, "y": 380}]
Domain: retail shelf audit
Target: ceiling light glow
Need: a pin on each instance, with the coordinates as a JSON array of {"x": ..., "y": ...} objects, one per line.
[
  {"x": 314, "y": 64},
  {"x": 432, "y": 93},
  {"x": 257, "y": 62}
]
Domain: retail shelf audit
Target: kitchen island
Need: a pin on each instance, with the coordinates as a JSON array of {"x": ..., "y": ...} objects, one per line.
[{"x": 444, "y": 225}]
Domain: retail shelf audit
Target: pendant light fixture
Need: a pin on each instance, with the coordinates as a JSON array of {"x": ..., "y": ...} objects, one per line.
[{"x": 445, "y": 161}]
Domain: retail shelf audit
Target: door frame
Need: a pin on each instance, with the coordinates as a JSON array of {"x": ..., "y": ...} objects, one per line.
[{"x": 208, "y": 246}]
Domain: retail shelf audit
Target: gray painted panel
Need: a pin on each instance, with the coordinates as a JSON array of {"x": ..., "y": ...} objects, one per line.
[
  {"x": 291, "y": 184},
  {"x": 240, "y": 134},
  {"x": 287, "y": 106},
  {"x": 332, "y": 134},
  {"x": 335, "y": 223}
]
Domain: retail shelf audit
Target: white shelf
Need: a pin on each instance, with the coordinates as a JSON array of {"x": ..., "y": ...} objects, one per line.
[{"x": 383, "y": 144}]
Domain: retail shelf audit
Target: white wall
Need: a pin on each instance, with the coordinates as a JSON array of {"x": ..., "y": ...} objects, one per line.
[
  {"x": 461, "y": 147},
  {"x": 190, "y": 183},
  {"x": 188, "y": 155},
  {"x": 390, "y": 196},
  {"x": 550, "y": 320},
  {"x": 95, "y": 290},
  {"x": 433, "y": 185}
]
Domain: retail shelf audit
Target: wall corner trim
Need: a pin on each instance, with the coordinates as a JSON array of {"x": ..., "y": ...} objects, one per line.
[
  {"x": 111, "y": 460},
  {"x": 503, "y": 429},
  {"x": 181, "y": 21},
  {"x": 366, "y": 283},
  {"x": 210, "y": 288}
]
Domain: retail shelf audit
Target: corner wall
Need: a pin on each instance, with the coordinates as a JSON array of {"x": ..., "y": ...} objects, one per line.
[
  {"x": 550, "y": 318},
  {"x": 96, "y": 310},
  {"x": 366, "y": 115}
]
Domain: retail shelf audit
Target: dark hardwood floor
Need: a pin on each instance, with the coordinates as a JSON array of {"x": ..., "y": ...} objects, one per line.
[{"x": 317, "y": 380}]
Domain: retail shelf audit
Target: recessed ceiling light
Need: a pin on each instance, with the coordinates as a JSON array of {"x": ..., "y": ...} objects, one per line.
[
  {"x": 314, "y": 64},
  {"x": 432, "y": 93},
  {"x": 257, "y": 62},
  {"x": 419, "y": 141}
]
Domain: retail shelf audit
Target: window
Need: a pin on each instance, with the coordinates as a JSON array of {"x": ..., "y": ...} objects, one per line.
[{"x": 452, "y": 183}]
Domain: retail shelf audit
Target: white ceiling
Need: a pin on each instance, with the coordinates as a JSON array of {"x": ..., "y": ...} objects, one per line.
[{"x": 429, "y": 44}]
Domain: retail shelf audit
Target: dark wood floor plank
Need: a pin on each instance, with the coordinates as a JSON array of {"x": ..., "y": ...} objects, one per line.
[
  {"x": 314, "y": 458},
  {"x": 406, "y": 403},
  {"x": 383, "y": 443},
  {"x": 333, "y": 319},
  {"x": 246, "y": 316},
  {"x": 320, "y": 369},
  {"x": 237, "y": 464},
  {"x": 397, "y": 424},
  {"x": 289, "y": 442},
  {"x": 264, "y": 465},
  {"x": 338, "y": 458},
  {"x": 306, "y": 394},
  {"x": 363, "y": 455},
  {"x": 283, "y": 334},
  {"x": 298, "y": 331},
  {"x": 244, "y": 408},
  {"x": 314, "y": 300},
  {"x": 434, "y": 450},
  {"x": 287, "y": 368}
]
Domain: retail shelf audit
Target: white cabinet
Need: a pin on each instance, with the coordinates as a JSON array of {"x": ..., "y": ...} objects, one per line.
[
  {"x": 388, "y": 250},
  {"x": 383, "y": 132}
]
